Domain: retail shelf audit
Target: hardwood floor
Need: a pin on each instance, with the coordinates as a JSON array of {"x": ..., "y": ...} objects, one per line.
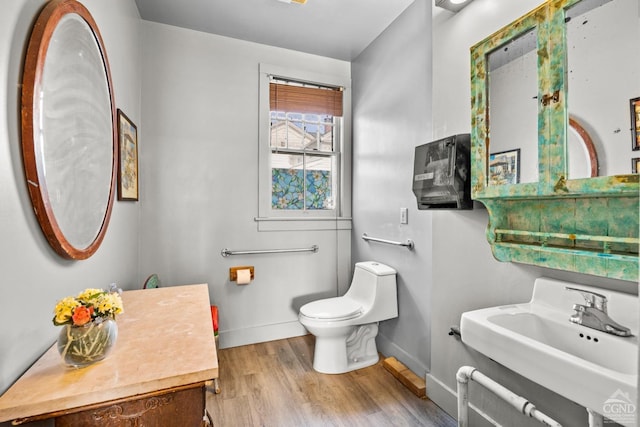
[{"x": 273, "y": 384}]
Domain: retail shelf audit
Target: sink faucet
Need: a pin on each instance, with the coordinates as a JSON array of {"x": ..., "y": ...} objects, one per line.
[{"x": 594, "y": 314}]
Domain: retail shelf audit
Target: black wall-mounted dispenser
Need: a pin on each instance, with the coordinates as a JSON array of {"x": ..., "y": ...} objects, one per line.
[{"x": 442, "y": 173}]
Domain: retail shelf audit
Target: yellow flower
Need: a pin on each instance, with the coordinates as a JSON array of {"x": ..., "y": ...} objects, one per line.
[
  {"x": 64, "y": 310},
  {"x": 89, "y": 294},
  {"x": 97, "y": 302},
  {"x": 109, "y": 304}
]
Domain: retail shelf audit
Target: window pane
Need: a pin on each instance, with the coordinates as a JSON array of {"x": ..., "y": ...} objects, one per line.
[
  {"x": 321, "y": 128},
  {"x": 302, "y": 131},
  {"x": 319, "y": 182},
  {"x": 278, "y": 137},
  {"x": 301, "y": 182},
  {"x": 287, "y": 183}
]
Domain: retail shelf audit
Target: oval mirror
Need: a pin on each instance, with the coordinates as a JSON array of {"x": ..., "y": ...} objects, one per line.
[
  {"x": 582, "y": 155},
  {"x": 68, "y": 129}
]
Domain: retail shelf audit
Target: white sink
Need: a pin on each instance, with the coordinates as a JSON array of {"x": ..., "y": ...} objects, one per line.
[{"x": 592, "y": 368}]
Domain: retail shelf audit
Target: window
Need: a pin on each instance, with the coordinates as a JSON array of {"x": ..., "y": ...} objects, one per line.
[
  {"x": 302, "y": 147},
  {"x": 304, "y": 139}
]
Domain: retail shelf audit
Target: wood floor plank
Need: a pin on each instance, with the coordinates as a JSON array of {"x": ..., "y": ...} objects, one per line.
[{"x": 274, "y": 384}]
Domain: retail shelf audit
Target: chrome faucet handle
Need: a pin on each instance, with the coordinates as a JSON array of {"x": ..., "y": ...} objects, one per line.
[
  {"x": 593, "y": 299},
  {"x": 579, "y": 308}
]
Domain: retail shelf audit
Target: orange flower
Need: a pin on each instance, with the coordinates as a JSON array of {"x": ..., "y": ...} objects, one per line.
[{"x": 82, "y": 315}]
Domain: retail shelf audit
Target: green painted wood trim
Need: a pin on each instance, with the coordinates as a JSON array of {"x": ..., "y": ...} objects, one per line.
[
  {"x": 605, "y": 186},
  {"x": 480, "y": 131},
  {"x": 568, "y": 233},
  {"x": 612, "y": 266},
  {"x": 553, "y": 118},
  {"x": 567, "y": 236},
  {"x": 585, "y": 225}
]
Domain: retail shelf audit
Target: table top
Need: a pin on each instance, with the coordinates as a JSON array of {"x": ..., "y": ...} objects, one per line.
[{"x": 165, "y": 340}]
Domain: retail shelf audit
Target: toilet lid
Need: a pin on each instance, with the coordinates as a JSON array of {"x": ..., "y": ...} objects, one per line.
[{"x": 332, "y": 309}]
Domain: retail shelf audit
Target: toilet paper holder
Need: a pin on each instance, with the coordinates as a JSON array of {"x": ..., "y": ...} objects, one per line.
[{"x": 233, "y": 272}]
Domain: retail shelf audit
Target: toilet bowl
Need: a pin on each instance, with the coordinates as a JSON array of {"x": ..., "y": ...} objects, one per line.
[{"x": 345, "y": 327}]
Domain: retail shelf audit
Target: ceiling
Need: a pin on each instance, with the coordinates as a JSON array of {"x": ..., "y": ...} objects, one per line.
[{"x": 339, "y": 29}]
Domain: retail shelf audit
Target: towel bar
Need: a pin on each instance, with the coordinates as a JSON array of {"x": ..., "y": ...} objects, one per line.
[
  {"x": 226, "y": 252},
  {"x": 408, "y": 244}
]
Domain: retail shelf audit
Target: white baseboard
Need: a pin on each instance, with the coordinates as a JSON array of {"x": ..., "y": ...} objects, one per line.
[
  {"x": 258, "y": 334},
  {"x": 447, "y": 399}
]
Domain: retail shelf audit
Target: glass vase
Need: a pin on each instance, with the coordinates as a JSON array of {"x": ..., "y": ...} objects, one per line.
[{"x": 84, "y": 345}]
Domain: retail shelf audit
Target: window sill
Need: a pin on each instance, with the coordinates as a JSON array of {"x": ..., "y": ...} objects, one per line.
[{"x": 302, "y": 224}]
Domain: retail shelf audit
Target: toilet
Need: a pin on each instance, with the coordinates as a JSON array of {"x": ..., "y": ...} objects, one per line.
[{"x": 346, "y": 327}]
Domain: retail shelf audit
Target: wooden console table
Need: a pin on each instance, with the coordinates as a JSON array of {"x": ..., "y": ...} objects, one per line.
[{"x": 155, "y": 376}]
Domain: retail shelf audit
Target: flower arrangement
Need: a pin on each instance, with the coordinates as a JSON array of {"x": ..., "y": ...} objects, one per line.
[
  {"x": 89, "y": 305},
  {"x": 90, "y": 330}
]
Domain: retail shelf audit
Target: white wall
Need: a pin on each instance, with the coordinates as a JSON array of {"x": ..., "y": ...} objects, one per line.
[
  {"x": 474, "y": 279},
  {"x": 33, "y": 276},
  {"x": 392, "y": 110},
  {"x": 199, "y": 184}
]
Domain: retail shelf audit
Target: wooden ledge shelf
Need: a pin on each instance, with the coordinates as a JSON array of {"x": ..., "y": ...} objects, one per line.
[
  {"x": 589, "y": 234},
  {"x": 568, "y": 236}
]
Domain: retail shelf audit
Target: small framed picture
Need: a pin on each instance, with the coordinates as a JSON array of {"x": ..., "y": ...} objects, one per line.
[
  {"x": 504, "y": 167},
  {"x": 635, "y": 165},
  {"x": 127, "y": 158},
  {"x": 635, "y": 123}
]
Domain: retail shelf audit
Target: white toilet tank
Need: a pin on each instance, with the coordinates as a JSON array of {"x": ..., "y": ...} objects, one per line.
[{"x": 374, "y": 286}]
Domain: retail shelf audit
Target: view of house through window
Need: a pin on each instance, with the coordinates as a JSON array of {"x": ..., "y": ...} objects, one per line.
[{"x": 304, "y": 143}]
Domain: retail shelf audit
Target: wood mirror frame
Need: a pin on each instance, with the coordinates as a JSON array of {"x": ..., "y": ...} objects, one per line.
[
  {"x": 588, "y": 145},
  {"x": 68, "y": 132}
]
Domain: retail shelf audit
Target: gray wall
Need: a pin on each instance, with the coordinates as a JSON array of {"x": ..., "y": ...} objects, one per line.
[
  {"x": 392, "y": 110},
  {"x": 33, "y": 276},
  {"x": 199, "y": 189},
  {"x": 404, "y": 97},
  {"x": 198, "y": 147}
]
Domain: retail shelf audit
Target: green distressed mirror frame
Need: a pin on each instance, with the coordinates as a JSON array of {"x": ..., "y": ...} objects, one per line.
[{"x": 585, "y": 225}]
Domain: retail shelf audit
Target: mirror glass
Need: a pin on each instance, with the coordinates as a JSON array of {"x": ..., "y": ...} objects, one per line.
[
  {"x": 76, "y": 152},
  {"x": 513, "y": 111},
  {"x": 603, "y": 74},
  {"x": 68, "y": 133}
]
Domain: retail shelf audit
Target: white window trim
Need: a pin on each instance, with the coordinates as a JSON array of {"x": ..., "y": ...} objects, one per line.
[{"x": 269, "y": 219}]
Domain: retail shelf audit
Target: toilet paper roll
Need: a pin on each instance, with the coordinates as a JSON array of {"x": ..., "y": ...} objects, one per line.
[{"x": 244, "y": 277}]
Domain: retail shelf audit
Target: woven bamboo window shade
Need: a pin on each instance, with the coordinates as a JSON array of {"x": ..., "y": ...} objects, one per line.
[{"x": 302, "y": 99}]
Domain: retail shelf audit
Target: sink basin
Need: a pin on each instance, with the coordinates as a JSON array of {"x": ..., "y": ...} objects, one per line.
[{"x": 535, "y": 339}]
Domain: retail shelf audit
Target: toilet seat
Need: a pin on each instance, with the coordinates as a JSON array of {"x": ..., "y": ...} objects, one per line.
[{"x": 339, "y": 308}]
